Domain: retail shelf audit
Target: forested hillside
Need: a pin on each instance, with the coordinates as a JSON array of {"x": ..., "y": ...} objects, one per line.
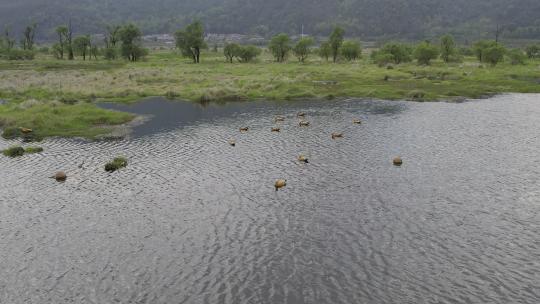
[{"x": 467, "y": 19}]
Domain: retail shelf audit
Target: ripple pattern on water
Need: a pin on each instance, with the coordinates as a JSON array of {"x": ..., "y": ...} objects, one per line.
[{"x": 194, "y": 220}]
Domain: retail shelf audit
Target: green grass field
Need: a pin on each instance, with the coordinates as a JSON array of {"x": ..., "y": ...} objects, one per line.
[{"x": 55, "y": 98}]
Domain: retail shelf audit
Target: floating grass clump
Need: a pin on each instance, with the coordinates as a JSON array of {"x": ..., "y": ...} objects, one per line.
[
  {"x": 32, "y": 150},
  {"x": 14, "y": 151},
  {"x": 116, "y": 164}
]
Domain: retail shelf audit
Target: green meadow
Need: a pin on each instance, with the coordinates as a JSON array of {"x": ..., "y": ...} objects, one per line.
[{"x": 57, "y": 97}]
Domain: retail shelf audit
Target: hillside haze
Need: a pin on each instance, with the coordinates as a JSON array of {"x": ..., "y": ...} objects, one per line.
[{"x": 362, "y": 18}]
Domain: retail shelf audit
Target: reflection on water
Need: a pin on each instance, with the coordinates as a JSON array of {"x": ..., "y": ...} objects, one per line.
[
  {"x": 194, "y": 220},
  {"x": 169, "y": 115}
]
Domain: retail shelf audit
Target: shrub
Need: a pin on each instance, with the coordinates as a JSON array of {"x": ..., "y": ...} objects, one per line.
[
  {"x": 116, "y": 164},
  {"x": 14, "y": 151},
  {"x": 516, "y": 56},
  {"x": 396, "y": 52},
  {"x": 425, "y": 52},
  {"x": 466, "y": 51},
  {"x": 230, "y": 51},
  {"x": 351, "y": 50},
  {"x": 533, "y": 51},
  {"x": 382, "y": 59},
  {"x": 242, "y": 53},
  {"x": 44, "y": 50},
  {"x": 17, "y": 54},
  {"x": 110, "y": 53},
  {"x": 480, "y": 47},
  {"x": 417, "y": 95},
  {"x": 325, "y": 50},
  {"x": 493, "y": 54},
  {"x": 248, "y": 53}
]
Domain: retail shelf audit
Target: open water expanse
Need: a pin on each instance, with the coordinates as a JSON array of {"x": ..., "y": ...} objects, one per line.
[{"x": 195, "y": 220}]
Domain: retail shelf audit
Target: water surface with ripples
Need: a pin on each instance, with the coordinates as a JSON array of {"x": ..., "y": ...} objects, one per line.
[{"x": 194, "y": 220}]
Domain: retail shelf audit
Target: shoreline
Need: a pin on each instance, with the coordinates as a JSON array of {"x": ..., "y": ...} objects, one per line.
[
  {"x": 123, "y": 130},
  {"x": 59, "y": 98}
]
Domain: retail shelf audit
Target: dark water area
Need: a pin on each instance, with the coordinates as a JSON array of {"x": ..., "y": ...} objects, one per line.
[{"x": 195, "y": 220}]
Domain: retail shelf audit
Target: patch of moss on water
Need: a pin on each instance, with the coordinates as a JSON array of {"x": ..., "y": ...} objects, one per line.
[{"x": 116, "y": 164}]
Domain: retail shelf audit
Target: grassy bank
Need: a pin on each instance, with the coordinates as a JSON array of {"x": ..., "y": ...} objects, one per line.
[{"x": 54, "y": 97}]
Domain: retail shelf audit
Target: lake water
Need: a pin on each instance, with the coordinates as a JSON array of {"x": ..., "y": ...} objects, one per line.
[{"x": 195, "y": 220}]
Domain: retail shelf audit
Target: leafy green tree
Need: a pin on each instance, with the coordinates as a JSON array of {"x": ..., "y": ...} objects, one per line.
[
  {"x": 448, "y": 48},
  {"x": 230, "y": 51},
  {"x": 494, "y": 54},
  {"x": 336, "y": 40},
  {"x": 351, "y": 50},
  {"x": 425, "y": 52},
  {"x": 516, "y": 56},
  {"x": 190, "y": 41},
  {"x": 325, "y": 50},
  {"x": 29, "y": 34},
  {"x": 280, "y": 47},
  {"x": 131, "y": 49},
  {"x": 302, "y": 49},
  {"x": 81, "y": 45},
  {"x": 533, "y": 51}
]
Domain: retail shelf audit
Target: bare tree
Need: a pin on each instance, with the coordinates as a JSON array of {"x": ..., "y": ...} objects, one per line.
[
  {"x": 69, "y": 41},
  {"x": 10, "y": 43},
  {"x": 29, "y": 34},
  {"x": 112, "y": 36}
]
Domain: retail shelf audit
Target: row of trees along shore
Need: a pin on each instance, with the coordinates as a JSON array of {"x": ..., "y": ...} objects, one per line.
[{"x": 126, "y": 42}]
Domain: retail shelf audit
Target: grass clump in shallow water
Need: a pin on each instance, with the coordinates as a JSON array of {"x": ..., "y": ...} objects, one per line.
[
  {"x": 116, "y": 164},
  {"x": 14, "y": 151},
  {"x": 32, "y": 150}
]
